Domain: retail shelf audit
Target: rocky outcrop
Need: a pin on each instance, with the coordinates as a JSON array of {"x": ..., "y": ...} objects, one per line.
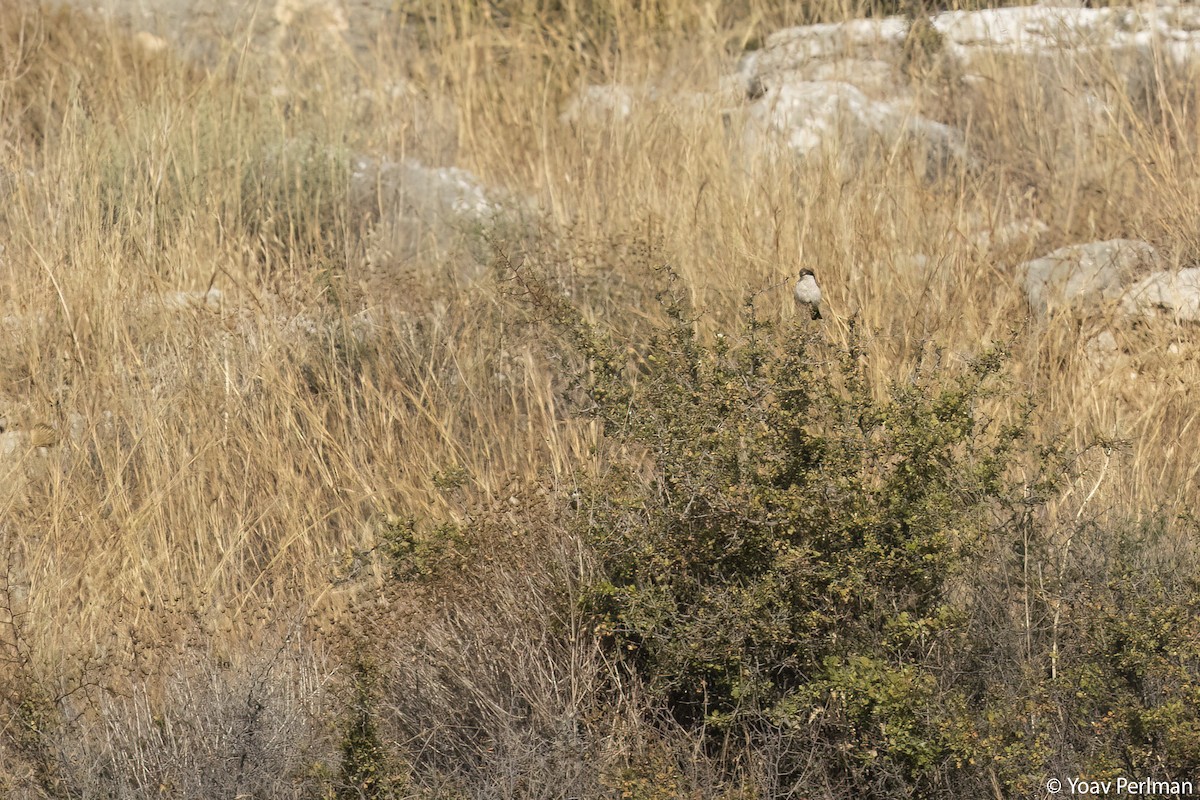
[
  {"x": 969, "y": 38},
  {"x": 1084, "y": 276},
  {"x": 797, "y": 49},
  {"x": 1120, "y": 275},
  {"x": 418, "y": 207},
  {"x": 1071, "y": 31},
  {"x": 1173, "y": 295},
  {"x": 805, "y": 116},
  {"x": 819, "y": 89}
]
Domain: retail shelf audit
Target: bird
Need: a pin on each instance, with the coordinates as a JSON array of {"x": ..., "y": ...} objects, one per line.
[{"x": 808, "y": 293}]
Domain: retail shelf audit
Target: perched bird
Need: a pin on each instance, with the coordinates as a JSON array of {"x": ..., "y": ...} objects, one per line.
[{"x": 808, "y": 293}]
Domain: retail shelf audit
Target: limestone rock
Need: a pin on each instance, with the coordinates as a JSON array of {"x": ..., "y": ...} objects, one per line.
[
  {"x": 1082, "y": 276},
  {"x": 1102, "y": 350},
  {"x": 600, "y": 104},
  {"x": 418, "y": 209},
  {"x": 1175, "y": 295},
  {"x": 805, "y": 116},
  {"x": 792, "y": 49}
]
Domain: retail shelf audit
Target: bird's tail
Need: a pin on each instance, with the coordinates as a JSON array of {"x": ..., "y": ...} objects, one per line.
[{"x": 816, "y": 312}]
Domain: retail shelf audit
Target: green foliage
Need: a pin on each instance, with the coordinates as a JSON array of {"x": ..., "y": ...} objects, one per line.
[
  {"x": 144, "y": 191},
  {"x": 783, "y": 546},
  {"x": 922, "y": 43},
  {"x": 1099, "y": 675},
  {"x": 419, "y": 555},
  {"x": 366, "y": 772},
  {"x": 31, "y": 726},
  {"x": 854, "y": 582},
  {"x": 650, "y": 775},
  {"x": 1126, "y": 696},
  {"x": 31, "y": 718}
]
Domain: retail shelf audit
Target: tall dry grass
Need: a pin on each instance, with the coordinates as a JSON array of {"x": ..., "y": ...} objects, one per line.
[{"x": 196, "y": 537}]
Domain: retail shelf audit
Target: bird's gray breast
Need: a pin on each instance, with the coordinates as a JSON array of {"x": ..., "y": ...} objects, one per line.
[{"x": 807, "y": 290}]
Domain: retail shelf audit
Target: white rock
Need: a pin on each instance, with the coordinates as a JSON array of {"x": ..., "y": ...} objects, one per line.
[
  {"x": 13, "y": 444},
  {"x": 966, "y": 35},
  {"x": 1170, "y": 294},
  {"x": 1039, "y": 29},
  {"x": 1021, "y": 29},
  {"x": 1084, "y": 275},
  {"x": 325, "y": 15},
  {"x": 1066, "y": 41},
  {"x": 407, "y": 188},
  {"x": 792, "y": 48},
  {"x": 609, "y": 104},
  {"x": 1036, "y": 30},
  {"x": 600, "y": 104},
  {"x": 425, "y": 213},
  {"x": 805, "y": 115},
  {"x": 876, "y": 78},
  {"x": 913, "y": 263},
  {"x": 419, "y": 210},
  {"x": 1101, "y": 350}
]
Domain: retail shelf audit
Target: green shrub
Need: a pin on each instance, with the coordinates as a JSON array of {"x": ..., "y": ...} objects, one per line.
[
  {"x": 1129, "y": 683},
  {"x": 366, "y": 771},
  {"x": 781, "y": 543},
  {"x": 414, "y": 554}
]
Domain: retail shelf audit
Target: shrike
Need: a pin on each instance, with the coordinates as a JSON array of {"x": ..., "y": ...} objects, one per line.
[{"x": 808, "y": 293}]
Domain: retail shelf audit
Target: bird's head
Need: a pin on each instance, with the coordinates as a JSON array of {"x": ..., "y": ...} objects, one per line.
[{"x": 805, "y": 273}]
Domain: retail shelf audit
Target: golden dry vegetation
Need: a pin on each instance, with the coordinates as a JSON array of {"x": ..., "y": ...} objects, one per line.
[{"x": 199, "y": 491}]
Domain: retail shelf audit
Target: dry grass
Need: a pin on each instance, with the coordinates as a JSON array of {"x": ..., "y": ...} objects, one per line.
[{"x": 217, "y": 474}]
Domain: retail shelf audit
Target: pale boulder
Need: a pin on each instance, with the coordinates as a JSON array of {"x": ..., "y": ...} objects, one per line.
[
  {"x": 1084, "y": 276},
  {"x": 1175, "y": 295},
  {"x": 806, "y": 117}
]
